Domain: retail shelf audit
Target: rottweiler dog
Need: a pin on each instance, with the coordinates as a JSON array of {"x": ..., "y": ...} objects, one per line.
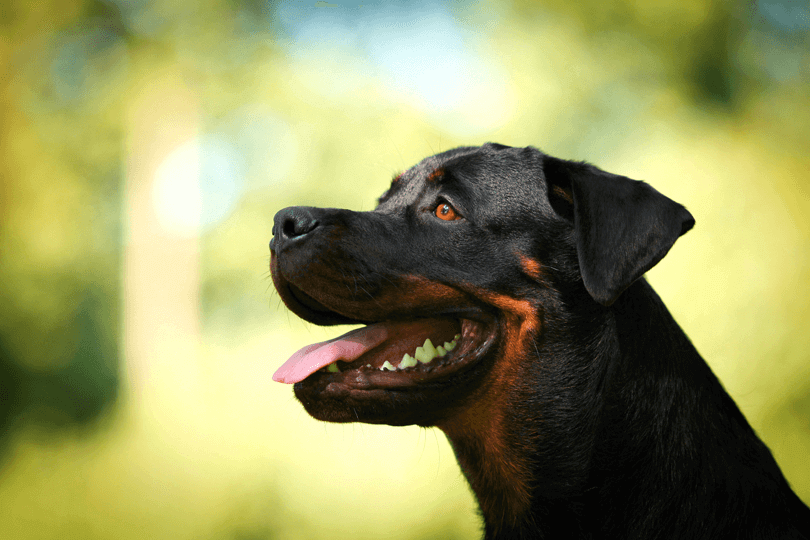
[{"x": 502, "y": 299}]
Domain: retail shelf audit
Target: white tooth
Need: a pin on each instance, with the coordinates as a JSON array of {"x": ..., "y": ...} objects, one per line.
[
  {"x": 407, "y": 361},
  {"x": 457, "y": 337},
  {"x": 424, "y": 356},
  {"x": 449, "y": 346},
  {"x": 429, "y": 348},
  {"x": 368, "y": 365},
  {"x": 441, "y": 351},
  {"x": 333, "y": 368},
  {"x": 387, "y": 365}
]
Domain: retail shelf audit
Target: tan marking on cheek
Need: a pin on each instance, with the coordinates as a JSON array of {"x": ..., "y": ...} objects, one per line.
[
  {"x": 506, "y": 477},
  {"x": 411, "y": 293},
  {"x": 420, "y": 291},
  {"x": 522, "y": 316},
  {"x": 532, "y": 267}
]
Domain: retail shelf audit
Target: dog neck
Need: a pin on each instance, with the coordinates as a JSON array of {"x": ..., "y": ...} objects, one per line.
[
  {"x": 542, "y": 450},
  {"x": 526, "y": 481}
]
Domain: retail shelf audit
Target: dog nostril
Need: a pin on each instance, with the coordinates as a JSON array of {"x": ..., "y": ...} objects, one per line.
[
  {"x": 289, "y": 229},
  {"x": 298, "y": 223},
  {"x": 291, "y": 226}
]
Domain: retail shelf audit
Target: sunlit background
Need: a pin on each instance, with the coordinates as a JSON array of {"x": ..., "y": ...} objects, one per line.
[{"x": 146, "y": 145}]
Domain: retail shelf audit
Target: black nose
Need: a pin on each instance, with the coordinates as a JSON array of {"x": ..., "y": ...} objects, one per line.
[{"x": 292, "y": 225}]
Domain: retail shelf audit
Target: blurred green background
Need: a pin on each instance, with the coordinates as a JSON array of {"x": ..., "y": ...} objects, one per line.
[{"x": 146, "y": 145}]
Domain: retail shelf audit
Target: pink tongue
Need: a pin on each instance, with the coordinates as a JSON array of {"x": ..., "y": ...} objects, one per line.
[{"x": 347, "y": 347}]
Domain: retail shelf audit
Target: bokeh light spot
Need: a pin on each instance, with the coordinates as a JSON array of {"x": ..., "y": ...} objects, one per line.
[{"x": 197, "y": 185}]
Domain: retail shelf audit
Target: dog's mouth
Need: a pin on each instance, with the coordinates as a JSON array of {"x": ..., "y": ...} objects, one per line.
[{"x": 388, "y": 354}]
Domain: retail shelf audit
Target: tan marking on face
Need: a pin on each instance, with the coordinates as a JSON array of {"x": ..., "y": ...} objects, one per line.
[
  {"x": 532, "y": 267},
  {"x": 507, "y": 477},
  {"x": 563, "y": 193},
  {"x": 435, "y": 175}
]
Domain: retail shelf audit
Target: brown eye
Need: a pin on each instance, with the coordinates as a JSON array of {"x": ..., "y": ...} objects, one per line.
[{"x": 446, "y": 212}]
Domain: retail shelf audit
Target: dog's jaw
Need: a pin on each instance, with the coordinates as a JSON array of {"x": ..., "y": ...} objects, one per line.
[{"x": 423, "y": 394}]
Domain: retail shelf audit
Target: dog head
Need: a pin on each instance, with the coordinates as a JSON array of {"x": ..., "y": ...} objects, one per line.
[{"x": 465, "y": 268}]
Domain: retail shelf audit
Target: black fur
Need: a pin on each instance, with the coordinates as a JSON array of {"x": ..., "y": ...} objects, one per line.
[{"x": 581, "y": 409}]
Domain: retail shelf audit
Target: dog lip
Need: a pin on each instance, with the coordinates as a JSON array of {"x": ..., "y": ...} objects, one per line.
[
  {"x": 310, "y": 309},
  {"x": 302, "y": 303},
  {"x": 306, "y": 300}
]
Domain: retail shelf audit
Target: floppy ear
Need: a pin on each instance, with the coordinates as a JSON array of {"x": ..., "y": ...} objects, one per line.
[{"x": 623, "y": 226}]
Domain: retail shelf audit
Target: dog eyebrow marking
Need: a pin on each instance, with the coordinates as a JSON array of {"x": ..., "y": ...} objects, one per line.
[{"x": 436, "y": 175}]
